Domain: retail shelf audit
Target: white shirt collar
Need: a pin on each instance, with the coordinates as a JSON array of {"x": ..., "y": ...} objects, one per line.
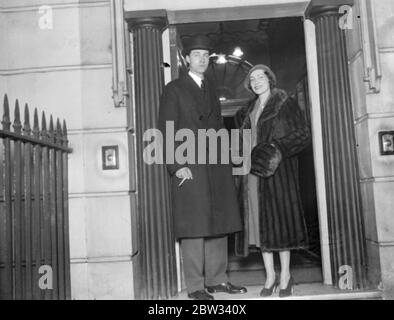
[{"x": 196, "y": 78}]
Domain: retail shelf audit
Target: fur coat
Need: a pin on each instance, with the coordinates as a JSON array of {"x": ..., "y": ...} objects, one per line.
[{"x": 282, "y": 133}]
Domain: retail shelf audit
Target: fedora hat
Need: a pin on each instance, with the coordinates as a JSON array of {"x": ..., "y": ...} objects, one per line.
[{"x": 197, "y": 42}]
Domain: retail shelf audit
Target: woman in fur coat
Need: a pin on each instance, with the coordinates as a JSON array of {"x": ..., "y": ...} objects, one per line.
[{"x": 271, "y": 203}]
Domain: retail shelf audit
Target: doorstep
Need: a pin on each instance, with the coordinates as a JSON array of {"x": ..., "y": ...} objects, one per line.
[{"x": 306, "y": 291}]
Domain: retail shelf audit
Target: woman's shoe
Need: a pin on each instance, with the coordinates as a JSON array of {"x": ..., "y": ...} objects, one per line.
[
  {"x": 267, "y": 292},
  {"x": 283, "y": 293}
]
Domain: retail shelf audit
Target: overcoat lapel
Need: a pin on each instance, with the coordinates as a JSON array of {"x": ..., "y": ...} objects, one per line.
[
  {"x": 194, "y": 91},
  {"x": 214, "y": 100}
]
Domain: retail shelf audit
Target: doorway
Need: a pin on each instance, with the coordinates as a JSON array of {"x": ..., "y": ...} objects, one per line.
[
  {"x": 280, "y": 44},
  {"x": 323, "y": 50}
]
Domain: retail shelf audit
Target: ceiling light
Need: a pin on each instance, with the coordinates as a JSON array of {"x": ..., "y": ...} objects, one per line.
[
  {"x": 238, "y": 52},
  {"x": 221, "y": 59}
]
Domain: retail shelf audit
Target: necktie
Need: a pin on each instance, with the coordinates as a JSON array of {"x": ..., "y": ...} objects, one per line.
[{"x": 204, "y": 87}]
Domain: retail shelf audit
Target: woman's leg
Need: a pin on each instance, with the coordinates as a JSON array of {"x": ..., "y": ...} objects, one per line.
[
  {"x": 284, "y": 268},
  {"x": 268, "y": 258}
]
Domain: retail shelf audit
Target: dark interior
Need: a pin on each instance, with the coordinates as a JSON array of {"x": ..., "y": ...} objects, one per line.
[{"x": 280, "y": 44}]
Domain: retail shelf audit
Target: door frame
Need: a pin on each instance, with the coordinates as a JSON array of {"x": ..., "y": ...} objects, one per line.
[{"x": 267, "y": 11}]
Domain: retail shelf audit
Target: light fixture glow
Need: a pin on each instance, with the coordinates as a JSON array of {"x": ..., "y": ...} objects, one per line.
[
  {"x": 221, "y": 59},
  {"x": 238, "y": 52}
]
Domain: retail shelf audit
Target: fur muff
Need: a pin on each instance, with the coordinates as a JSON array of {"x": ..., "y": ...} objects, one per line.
[{"x": 265, "y": 160}]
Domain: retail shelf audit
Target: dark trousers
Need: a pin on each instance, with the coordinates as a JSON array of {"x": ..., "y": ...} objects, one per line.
[{"x": 204, "y": 262}]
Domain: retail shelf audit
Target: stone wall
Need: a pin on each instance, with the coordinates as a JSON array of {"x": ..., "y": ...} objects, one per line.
[
  {"x": 67, "y": 71},
  {"x": 374, "y": 112}
]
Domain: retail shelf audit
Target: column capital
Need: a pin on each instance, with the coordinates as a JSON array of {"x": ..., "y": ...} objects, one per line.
[
  {"x": 156, "y": 19},
  {"x": 319, "y": 8}
]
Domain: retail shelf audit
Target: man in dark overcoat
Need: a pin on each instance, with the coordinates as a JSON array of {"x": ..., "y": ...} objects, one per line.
[{"x": 205, "y": 208}]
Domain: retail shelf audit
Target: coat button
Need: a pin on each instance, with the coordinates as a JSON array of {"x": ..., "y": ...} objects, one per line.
[{"x": 201, "y": 117}]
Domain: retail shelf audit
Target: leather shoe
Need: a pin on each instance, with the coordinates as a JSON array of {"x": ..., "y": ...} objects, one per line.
[
  {"x": 267, "y": 292},
  {"x": 226, "y": 287},
  {"x": 283, "y": 293},
  {"x": 200, "y": 295}
]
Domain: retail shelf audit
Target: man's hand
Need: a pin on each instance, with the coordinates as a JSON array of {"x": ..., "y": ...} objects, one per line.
[{"x": 184, "y": 174}]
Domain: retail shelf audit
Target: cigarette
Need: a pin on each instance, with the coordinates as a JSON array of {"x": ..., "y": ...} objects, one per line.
[{"x": 182, "y": 182}]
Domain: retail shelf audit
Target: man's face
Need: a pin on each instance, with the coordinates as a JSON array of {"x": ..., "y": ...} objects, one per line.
[{"x": 198, "y": 60}]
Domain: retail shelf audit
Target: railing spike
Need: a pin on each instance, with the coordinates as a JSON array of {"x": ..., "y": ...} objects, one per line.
[
  {"x": 17, "y": 108},
  {"x": 43, "y": 122},
  {"x": 36, "y": 128},
  {"x": 51, "y": 133},
  {"x": 26, "y": 124},
  {"x": 6, "y": 105},
  {"x": 44, "y": 133},
  {"x": 51, "y": 123},
  {"x": 64, "y": 128},
  {"x": 58, "y": 125},
  {"x": 65, "y": 133},
  {"x": 17, "y": 119},
  {"x": 6, "y": 122},
  {"x": 5, "y": 99},
  {"x": 58, "y": 133}
]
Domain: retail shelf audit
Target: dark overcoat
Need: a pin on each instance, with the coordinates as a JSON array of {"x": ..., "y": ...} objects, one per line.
[
  {"x": 281, "y": 219},
  {"x": 206, "y": 205}
]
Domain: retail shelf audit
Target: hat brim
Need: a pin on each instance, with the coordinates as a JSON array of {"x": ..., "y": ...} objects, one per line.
[
  {"x": 263, "y": 67},
  {"x": 187, "y": 51}
]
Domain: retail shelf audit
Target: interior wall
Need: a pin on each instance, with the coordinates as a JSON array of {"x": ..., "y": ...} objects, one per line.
[
  {"x": 288, "y": 61},
  {"x": 287, "y": 52}
]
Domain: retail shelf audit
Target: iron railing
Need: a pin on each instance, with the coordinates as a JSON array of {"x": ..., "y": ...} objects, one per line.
[{"x": 34, "y": 235}]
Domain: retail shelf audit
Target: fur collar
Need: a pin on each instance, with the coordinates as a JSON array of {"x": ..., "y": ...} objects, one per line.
[{"x": 277, "y": 98}]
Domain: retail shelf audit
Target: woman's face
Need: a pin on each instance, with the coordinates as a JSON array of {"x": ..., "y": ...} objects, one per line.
[{"x": 259, "y": 82}]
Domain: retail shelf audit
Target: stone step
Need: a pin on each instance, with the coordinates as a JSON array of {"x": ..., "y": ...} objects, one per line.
[
  {"x": 314, "y": 291},
  {"x": 309, "y": 291}
]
